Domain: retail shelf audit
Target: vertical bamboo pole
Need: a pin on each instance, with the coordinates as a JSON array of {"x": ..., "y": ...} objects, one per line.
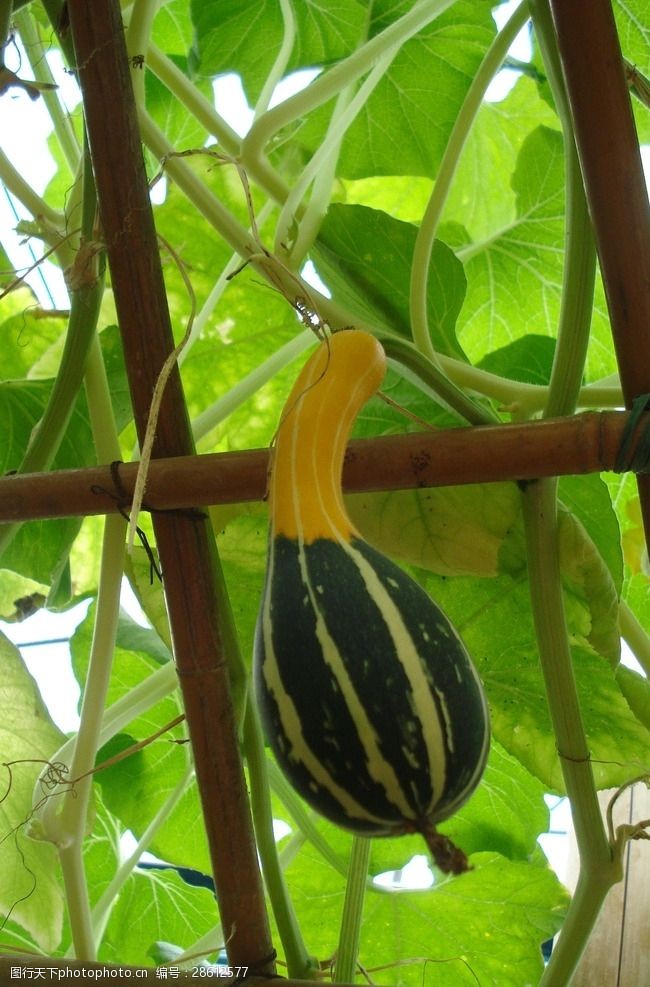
[
  {"x": 610, "y": 159},
  {"x": 185, "y": 543}
]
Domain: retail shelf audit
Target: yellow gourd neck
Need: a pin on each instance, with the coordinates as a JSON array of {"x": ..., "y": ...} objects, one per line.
[{"x": 305, "y": 493}]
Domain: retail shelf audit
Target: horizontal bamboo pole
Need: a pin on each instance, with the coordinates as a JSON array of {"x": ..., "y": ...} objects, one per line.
[{"x": 585, "y": 443}]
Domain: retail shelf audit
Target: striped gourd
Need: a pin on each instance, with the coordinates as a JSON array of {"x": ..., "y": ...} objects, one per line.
[{"x": 369, "y": 699}]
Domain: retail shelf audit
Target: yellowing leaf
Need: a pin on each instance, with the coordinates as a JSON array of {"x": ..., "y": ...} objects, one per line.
[
  {"x": 588, "y": 581},
  {"x": 451, "y": 531}
]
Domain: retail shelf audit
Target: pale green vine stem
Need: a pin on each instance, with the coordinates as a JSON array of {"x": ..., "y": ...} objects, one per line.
[
  {"x": 36, "y": 53},
  {"x": 300, "y": 965},
  {"x": 262, "y": 173},
  {"x": 488, "y": 68},
  {"x": 598, "y": 869},
  {"x": 123, "y": 711},
  {"x": 137, "y": 40},
  {"x": 46, "y": 437},
  {"x": 634, "y": 636},
  {"x": 321, "y": 169},
  {"x": 355, "y": 889},
  {"x": 71, "y": 823},
  {"x": 348, "y": 949},
  {"x": 279, "y": 66},
  {"x": 102, "y": 909},
  {"x": 305, "y": 821},
  {"x": 250, "y": 384},
  {"x": 334, "y": 80},
  {"x": 73, "y": 808},
  {"x": 53, "y": 222},
  {"x": 580, "y": 250}
]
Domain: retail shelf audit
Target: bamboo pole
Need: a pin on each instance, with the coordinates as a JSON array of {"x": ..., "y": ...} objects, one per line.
[
  {"x": 185, "y": 542},
  {"x": 585, "y": 443},
  {"x": 615, "y": 185}
]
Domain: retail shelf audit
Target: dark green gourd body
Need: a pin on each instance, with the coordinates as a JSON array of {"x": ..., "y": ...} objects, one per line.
[{"x": 369, "y": 699}]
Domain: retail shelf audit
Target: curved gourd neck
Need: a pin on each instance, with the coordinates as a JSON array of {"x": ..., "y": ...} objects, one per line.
[{"x": 305, "y": 493}]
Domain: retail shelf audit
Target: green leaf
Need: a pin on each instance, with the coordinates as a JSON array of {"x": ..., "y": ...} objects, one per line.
[
  {"x": 486, "y": 926},
  {"x": 40, "y": 548},
  {"x": 30, "y": 890},
  {"x": 439, "y": 934},
  {"x": 404, "y": 127},
  {"x": 403, "y": 197},
  {"x": 27, "y": 331},
  {"x": 364, "y": 256},
  {"x": 172, "y": 28},
  {"x": 245, "y": 36},
  {"x": 589, "y": 499},
  {"x": 528, "y": 359},
  {"x": 242, "y": 549},
  {"x": 636, "y": 689},
  {"x": 514, "y": 273},
  {"x": 156, "y": 905},
  {"x": 490, "y": 156}
]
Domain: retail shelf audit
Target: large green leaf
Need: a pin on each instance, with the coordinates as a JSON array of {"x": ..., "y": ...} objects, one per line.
[
  {"x": 490, "y": 154},
  {"x": 404, "y": 127},
  {"x": 245, "y": 37},
  {"x": 514, "y": 272},
  {"x": 156, "y": 905},
  {"x": 488, "y": 926},
  {"x": 31, "y": 892},
  {"x": 365, "y": 255},
  {"x": 494, "y": 619},
  {"x": 438, "y": 934}
]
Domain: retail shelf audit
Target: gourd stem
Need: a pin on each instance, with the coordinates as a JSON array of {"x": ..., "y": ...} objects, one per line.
[
  {"x": 322, "y": 168},
  {"x": 348, "y": 948},
  {"x": 262, "y": 173},
  {"x": 429, "y": 373},
  {"x": 300, "y": 964}
]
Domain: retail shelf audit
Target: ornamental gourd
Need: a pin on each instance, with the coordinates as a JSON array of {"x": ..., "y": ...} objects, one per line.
[{"x": 369, "y": 699}]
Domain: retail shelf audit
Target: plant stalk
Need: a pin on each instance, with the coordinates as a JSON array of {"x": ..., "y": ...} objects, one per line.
[
  {"x": 598, "y": 869},
  {"x": 425, "y": 240},
  {"x": 299, "y": 963},
  {"x": 355, "y": 890}
]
